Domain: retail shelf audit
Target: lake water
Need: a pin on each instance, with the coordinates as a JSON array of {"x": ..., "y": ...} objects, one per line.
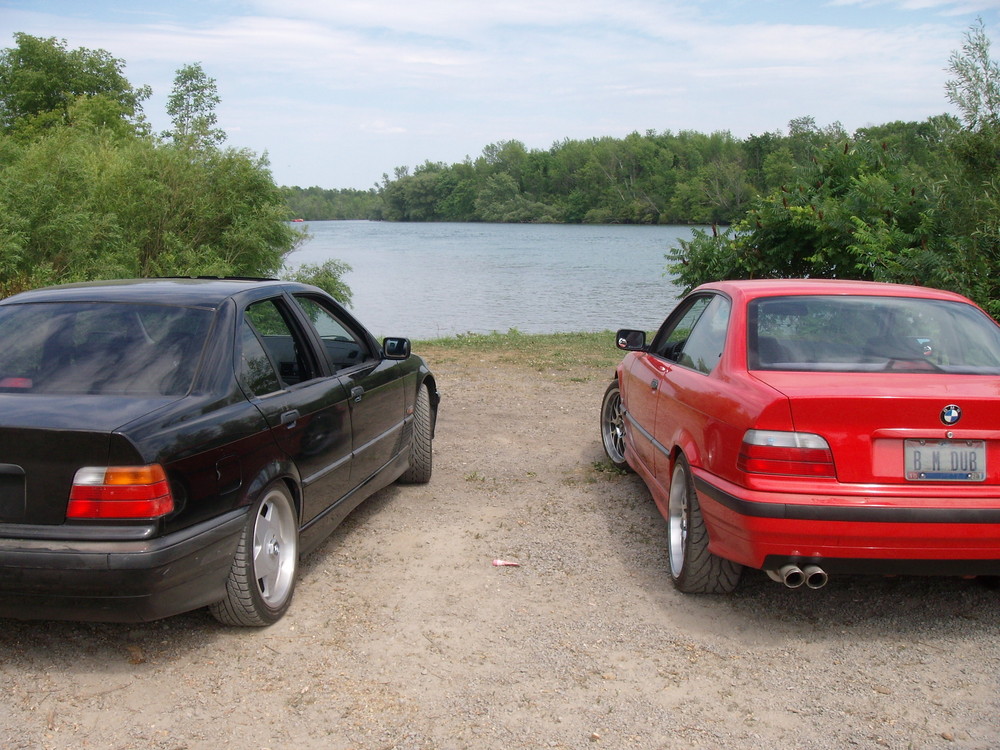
[{"x": 432, "y": 280}]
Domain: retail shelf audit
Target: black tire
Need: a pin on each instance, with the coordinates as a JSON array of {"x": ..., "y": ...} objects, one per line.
[
  {"x": 262, "y": 579},
  {"x": 693, "y": 568},
  {"x": 613, "y": 426},
  {"x": 421, "y": 458}
]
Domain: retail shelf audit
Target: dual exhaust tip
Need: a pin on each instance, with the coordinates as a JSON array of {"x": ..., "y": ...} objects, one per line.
[{"x": 811, "y": 576}]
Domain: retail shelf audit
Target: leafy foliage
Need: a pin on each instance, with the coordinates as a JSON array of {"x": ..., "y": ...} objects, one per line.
[
  {"x": 85, "y": 204},
  {"x": 975, "y": 85},
  {"x": 653, "y": 178},
  {"x": 87, "y": 193},
  {"x": 191, "y": 107},
  {"x": 905, "y": 202},
  {"x": 328, "y": 276},
  {"x": 41, "y": 84},
  {"x": 319, "y": 204}
]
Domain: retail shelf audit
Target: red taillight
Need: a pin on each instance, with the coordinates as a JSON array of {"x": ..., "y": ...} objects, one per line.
[
  {"x": 117, "y": 492},
  {"x": 799, "y": 454}
]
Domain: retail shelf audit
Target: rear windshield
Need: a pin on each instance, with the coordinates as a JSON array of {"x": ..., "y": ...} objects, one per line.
[
  {"x": 869, "y": 334},
  {"x": 78, "y": 348}
]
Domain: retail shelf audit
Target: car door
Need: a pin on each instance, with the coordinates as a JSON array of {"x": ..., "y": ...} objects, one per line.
[
  {"x": 647, "y": 375},
  {"x": 688, "y": 397},
  {"x": 305, "y": 405},
  {"x": 374, "y": 384}
]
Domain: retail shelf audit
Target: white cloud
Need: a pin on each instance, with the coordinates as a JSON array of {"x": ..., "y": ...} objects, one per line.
[{"x": 338, "y": 92}]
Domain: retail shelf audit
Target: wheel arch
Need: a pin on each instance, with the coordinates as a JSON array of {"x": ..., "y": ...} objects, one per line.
[
  {"x": 686, "y": 445},
  {"x": 281, "y": 471},
  {"x": 430, "y": 383},
  {"x": 696, "y": 470}
]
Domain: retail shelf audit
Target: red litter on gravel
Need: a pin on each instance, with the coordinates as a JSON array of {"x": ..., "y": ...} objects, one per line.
[{"x": 506, "y": 564}]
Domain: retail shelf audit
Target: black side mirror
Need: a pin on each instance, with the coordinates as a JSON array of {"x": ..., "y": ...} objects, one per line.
[
  {"x": 630, "y": 340},
  {"x": 396, "y": 348}
]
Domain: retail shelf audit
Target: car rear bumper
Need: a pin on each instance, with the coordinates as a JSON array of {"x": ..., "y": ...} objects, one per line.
[
  {"x": 893, "y": 535},
  {"x": 118, "y": 581}
]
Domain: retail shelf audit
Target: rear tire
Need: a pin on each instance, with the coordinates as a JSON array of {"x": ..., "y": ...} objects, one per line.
[
  {"x": 262, "y": 579},
  {"x": 693, "y": 568},
  {"x": 421, "y": 457}
]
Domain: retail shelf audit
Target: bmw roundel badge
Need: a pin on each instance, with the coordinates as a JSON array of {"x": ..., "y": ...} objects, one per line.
[{"x": 951, "y": 414}]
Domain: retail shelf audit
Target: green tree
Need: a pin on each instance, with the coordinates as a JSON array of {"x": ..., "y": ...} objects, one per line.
[
  {"x": 86, "y": 194},
  {"x": 855, "y": 211},
  {"x": 317, "y": 204},
  {"x": 41, "y": 82},
  {"x": 328, "y": 276},
  {"x": 968, "y": 214},
  {"x": 191, "y": 107},
  {"x": 975, "y": 83},
  {"x": 82, "y": 205},
  {"x": 501, "y": 201},
  {"x": 905, "y": 202}
]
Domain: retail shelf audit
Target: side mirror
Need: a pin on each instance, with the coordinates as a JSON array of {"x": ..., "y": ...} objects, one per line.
[
  {"x": 396, "y": 348},
  {"x": 630, "y": 340}
]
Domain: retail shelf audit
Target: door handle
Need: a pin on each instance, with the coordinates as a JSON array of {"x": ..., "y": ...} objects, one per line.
[
  {"x": 356, "y": 393},
  {"x": 289, "y": 418},
  {"x": 654, "y": 384}
]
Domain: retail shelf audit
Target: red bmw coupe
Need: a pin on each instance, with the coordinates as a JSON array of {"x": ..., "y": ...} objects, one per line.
[{"x": 810, "y": 428}]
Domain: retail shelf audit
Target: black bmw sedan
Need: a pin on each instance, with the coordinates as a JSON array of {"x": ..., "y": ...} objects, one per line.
[{"x": 171, "y": 444}]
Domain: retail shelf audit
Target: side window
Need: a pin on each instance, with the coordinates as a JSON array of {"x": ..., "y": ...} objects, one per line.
[
  {"x": 342, "y": 347},
  {"x": 289, "y": 355},
  {"x": 704, "y": 346},
  {"x": 257, "y": 375},
  {"x": 671, "y": 339}
]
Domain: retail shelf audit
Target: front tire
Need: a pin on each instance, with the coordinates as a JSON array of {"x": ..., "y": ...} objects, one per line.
[
  {"x": 613, "y": 426},
  {"x": 262, "y": 578},
  {"x": 693, "y": 568},
  {"x": 421, "y": 458}
]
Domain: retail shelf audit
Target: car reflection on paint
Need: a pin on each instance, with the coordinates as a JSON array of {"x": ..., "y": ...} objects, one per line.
[
  {"x": 810, "y": 428},
  {"x": 172, "y": 444}
]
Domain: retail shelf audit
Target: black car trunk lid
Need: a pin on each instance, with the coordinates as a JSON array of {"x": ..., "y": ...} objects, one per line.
[{"x": 45, "y": 440}]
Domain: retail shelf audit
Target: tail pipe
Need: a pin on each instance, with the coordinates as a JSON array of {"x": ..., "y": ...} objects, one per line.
[
  {"x": 811, "y": 576},
  {"x": 816, "y": 577}
]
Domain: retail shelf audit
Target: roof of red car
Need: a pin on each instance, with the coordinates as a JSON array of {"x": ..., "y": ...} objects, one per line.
[{"x": 750, "y": 288}]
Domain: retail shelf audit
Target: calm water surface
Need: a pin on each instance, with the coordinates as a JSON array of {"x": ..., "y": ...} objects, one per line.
[{"x": 431, "y": 280}]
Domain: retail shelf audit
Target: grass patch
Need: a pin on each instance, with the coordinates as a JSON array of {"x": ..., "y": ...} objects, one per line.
[
  {"x": 541, "y": 351},
  {"x": 606, "y": 467}
]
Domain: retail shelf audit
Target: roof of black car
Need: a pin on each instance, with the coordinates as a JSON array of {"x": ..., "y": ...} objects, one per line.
[{"x": 197, "y": 292}]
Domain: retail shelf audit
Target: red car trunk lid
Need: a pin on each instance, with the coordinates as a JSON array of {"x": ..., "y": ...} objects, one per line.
[{"x": 868, "y": 417}]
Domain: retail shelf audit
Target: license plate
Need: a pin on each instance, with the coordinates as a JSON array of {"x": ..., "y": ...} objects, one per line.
[{"x": 945, "y": 460}]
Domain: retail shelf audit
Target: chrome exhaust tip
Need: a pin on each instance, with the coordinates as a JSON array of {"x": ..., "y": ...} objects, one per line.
[
  {"x": 815, "y": 577},
  {"x": 790, "y": 575}
]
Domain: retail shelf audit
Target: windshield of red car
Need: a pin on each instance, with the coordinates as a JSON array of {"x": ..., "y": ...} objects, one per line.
[
  {"x": 869, "y": 334},
  {"x": 100, "y": 348}
]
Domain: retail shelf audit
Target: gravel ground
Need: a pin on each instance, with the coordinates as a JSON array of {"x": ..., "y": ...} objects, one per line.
[{"x": 404, "y": 635}]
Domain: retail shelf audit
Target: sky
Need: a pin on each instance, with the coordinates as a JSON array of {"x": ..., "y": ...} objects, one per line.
[{"x": 338, "y": 93}]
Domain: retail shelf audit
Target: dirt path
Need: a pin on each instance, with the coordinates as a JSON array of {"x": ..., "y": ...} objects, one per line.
[{"x": 404, "y": 635}]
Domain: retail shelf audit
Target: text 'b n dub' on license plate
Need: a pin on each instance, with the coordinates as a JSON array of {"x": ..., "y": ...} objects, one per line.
[{"x": 945, "y": 460}]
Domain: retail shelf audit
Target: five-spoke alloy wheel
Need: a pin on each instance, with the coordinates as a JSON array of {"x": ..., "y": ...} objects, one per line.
[{"x": 262, "y": 578}]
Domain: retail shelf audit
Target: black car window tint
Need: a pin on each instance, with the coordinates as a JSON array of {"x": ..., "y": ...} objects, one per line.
[
  {"x": 703, "y": 348},
  {"x": 670, "y": 341},
  {"x": 257, "y": 376},
  {"x": 101, "y": 348},
  {"x": 282, "y": 341},
  {"x": 342, "y": 347}
]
